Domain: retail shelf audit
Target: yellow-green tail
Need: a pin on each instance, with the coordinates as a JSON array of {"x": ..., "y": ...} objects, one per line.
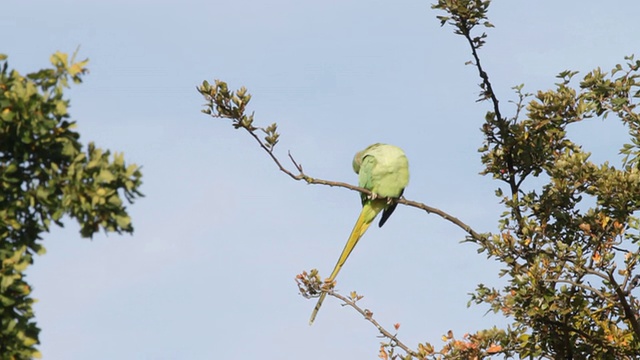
[{"x": 368, "y": 213}]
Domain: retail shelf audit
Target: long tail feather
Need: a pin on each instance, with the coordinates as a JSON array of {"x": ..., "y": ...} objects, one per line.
[
  {"x": 317, "y": 308},
  {"x": 368, "y": 213}
]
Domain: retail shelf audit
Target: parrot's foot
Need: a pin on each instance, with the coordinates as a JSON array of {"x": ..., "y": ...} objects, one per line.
[{"x": 373, "y": 196}]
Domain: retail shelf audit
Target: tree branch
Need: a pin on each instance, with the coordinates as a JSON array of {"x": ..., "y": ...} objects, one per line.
[
  {"x": 431, "y": 210},
  {"x": 310, "y": 180},
  {"x": 583, "y": 286},
  {"x": 628, "y": 312},
  {"x": 503, "y": 125},
  {"x": 368, "y": 315}
]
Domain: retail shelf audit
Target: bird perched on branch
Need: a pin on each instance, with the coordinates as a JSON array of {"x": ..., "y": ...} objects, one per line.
[{"x": 384, "y": 170}]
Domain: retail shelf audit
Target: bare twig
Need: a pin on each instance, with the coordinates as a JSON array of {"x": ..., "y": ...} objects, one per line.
[
  {"x": 310, "y": 180},
  {"x": 630, "y": 315},
  {"x": 369, "y": 317},
  {"x": 220, "y": 100},
  {"x": 465, "y": 30},
  {"x": 444, "y": 215},
  {"x": 583, "y": 286},
  {"x": 599, "y": 274},
  {"x": 311, "y": 286}
]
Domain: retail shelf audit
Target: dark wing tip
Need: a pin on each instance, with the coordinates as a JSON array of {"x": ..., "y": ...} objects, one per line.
[{"x": 388, "y": 211}]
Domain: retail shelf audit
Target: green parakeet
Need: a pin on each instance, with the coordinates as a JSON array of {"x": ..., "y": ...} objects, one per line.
[{"x": 384, "y": 170}]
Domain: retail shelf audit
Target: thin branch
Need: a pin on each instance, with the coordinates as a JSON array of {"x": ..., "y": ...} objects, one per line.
[
  {"x": 629, "y": 313},
  {"x": 445, "y": 216},
  {"x": 298, "y": 166},
  {"x": 311, "y": 286},
  {"x": 483, "y": 75},
  {"x": 568, "y": 327},
  {"x": 504, "y": 126},
  {"x": 310, "y": 180},
  {"x": 368, "y": 315},
  {"x": 222, "y": 109},
  {"x": 583, "y": 286},
  {"x": 628, "y": 273},
  {"x": 415, "y": 204},
  {"x": 270, "y": 152},
  {"x": 599, "y": 274}
]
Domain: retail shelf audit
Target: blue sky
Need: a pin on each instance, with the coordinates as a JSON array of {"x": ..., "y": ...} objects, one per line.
[{"x": 221, "y": 234}]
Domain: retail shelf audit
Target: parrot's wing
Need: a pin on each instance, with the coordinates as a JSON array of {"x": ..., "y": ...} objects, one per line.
[
  {"x": 388, "y": 211},
  {"x": 388, "y": 175}
]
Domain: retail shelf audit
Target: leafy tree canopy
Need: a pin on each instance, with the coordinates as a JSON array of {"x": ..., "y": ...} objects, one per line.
[{"x": 44, "y": 174}]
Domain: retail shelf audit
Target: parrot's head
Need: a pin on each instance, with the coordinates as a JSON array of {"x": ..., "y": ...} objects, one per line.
[{"x": 357, "y": 160}]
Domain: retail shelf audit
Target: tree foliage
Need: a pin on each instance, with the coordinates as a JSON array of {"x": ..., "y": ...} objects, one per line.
[
  {"x": 569, "y": 248},
  {"x": 568, "y": 240},
  {"x": 44, "y": 174}
]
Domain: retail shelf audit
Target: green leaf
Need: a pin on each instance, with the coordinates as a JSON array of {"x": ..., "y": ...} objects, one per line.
[
  {"x": 105, "y": 176},
  {"x": 123, "y": 222}
]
